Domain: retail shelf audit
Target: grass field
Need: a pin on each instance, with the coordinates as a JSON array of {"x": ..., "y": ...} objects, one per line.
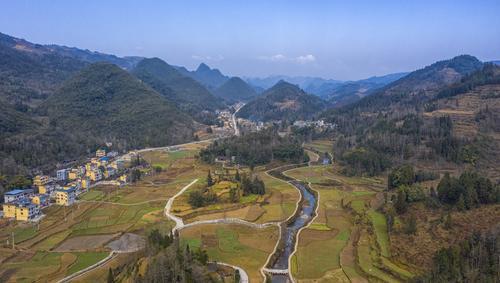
[
  {"x": 321, "y": 145},
  {"x": 47, "y": 266},
  {"x": 84, "y": 260},
  {"x": 234, "y": 244}
]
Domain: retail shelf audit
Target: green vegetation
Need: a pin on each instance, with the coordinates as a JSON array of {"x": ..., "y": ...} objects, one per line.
[
  {"x": 380, "y": 226},
  {"x": 84, "y": 260},
  {"x": 171, "y": 262},
  {"x": 282, "y": 102},
  {"x": 187, "y": 94},
  {"x": 120, "y": 96},
  {"x": 256, "y": 149},
  {"x": 234, "y": 90},
  {"x": 468, "y": 191},
  {"x": 473, "y": 260}
]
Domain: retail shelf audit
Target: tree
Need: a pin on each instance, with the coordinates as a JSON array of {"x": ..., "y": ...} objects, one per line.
[
  {"x": 196, "y": 199},
  {"x": 401, "y": 205},
  {"x": 136, "y": 175},
  {"x": 448, "y": 222},
  {"x": 111, "y": 278},
  {"x": 237, "y": 276},
  {"x": 403, "y": 175},
  {"x": 158, "y": 169},
  {"x": 461, "y": 203},
  {"x": 237, "y": 176},
  {"x": 411, "y": 226},
  {"x": 210, "y": 182},
  {"x": 234, "y": 195}
]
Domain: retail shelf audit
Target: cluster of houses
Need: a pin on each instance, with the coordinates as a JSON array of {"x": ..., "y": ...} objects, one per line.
[
  {"x": 26, "y": 204},
  {"x": 318, "y": 124}
]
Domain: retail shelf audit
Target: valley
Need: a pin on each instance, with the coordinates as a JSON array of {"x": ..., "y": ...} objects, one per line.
[{"x": 160, "y": 168}]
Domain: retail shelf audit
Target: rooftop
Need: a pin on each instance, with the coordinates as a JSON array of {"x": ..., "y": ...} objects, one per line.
[{"x": 17, "y": 191}]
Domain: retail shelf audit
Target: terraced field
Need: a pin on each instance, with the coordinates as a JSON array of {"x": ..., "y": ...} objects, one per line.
[
  {"x": 69, "y": 239},
  {"x": 234, "y": 244},
  {"x": 277, "y": 204},
  {"x": 347, "y": 241}
]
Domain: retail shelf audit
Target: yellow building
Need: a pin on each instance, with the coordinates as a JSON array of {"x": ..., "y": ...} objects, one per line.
[
  {"x": 65, "y": 197},
  {"x": 123, "y": 178},
  {"x": 40, "y": 180},
  {"x": 73, "y": 174},
  {"x": 26, "y": 212},
  {"x": 85, "y": 183},
  {"x": 9, "y": 210},
  {"x": 42, "y": 189},
  {"x": 95, "y": 175},
  {"x": 88, "y": 167}
]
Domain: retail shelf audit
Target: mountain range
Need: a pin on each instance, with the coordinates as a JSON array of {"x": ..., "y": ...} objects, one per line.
[
  {"x": 188, "y": 94},
  {"x": 58, "y": 102},
  {"x": 210, "y": 78}
]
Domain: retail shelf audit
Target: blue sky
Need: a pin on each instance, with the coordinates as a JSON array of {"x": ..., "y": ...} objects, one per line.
[{"x": 332, "y": 39}]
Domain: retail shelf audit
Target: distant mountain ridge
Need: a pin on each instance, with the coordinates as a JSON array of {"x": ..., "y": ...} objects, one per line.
[
  {"x": 234, "y": 90},
  {"x": 417, "y": 86},
  {"x": 303, "y": 82},
  {"x": 127, "y": 62},
  {"x": 210, "y": 78},
  {"x": 284, "y": 101},
  {"x": 188, "y": 94}
]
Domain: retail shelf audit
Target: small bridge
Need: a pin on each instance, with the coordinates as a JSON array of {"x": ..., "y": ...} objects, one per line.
[{"x": 276, "y": 271}]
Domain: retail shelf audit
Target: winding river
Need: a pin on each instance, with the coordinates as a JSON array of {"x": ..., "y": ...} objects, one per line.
[{"x": 289, "y": 232}]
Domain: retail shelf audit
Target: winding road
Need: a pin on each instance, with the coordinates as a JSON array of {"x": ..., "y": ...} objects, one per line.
[{"x": 179, "y": 223}]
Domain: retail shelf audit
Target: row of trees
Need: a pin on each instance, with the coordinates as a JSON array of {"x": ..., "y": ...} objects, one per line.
[
  {"x": 468, "y": 191},
  {"x": 256, "y": 148},
  {"x": 406, "y": 175}
]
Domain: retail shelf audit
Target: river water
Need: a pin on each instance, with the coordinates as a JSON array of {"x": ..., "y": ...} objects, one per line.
[{"x": 290, "y": 232}]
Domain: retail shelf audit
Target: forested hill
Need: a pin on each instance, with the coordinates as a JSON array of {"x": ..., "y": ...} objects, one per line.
[
  {"x": 234, "y": 90},
  {"x": 31, "y": 72},
  {"x": 107, "y": 103},
  {"x": 418, "y": 86},
  {"x": 284, "y": 101},
  {"x": 456, "y": 124},
  {"x": 189, "y": 95}
]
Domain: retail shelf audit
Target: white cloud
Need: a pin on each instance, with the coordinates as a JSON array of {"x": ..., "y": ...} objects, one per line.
[
  {"x": 302, "y": 59},
  {"x": 207, "y": 58}
]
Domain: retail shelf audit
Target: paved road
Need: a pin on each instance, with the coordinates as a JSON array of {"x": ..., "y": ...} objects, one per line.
[{"x": 233, "y": 118}]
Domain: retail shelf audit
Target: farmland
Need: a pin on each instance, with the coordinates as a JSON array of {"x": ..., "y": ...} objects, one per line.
[
  {"x": 69, "y": 239},
  {"x": 338, "y": 244},
  {"x": 234, "y": 244}
]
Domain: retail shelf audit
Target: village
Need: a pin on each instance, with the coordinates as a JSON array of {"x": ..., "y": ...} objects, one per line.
[{"x": 26, "y": 204}]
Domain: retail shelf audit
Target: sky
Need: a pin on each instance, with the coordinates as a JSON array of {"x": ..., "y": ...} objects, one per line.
[{"x": 343, "y": 40}]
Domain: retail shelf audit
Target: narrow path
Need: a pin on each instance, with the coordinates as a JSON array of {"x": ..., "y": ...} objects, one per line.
[
  {"x": 179, "y": 224},
  {"x": 118, "y": 203},
  {"x": 79, "y": 273}
]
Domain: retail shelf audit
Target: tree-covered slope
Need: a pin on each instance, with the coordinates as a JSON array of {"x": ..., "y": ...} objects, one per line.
[
  {"x": 30, "y": 72},
  {"x": 105, "y": 102},
  {"x": 283, "y": 101},
  {"x": 189, "y": 95},
  {"x": 235, "y": 89}
]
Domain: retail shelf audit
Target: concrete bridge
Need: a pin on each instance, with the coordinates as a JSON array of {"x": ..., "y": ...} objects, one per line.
[{"x": 276, "y": 271}]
